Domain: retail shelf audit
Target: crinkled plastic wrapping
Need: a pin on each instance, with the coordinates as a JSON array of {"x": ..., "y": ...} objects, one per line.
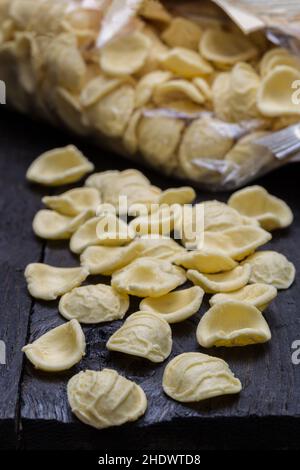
[{"x": 175, "y": 85}]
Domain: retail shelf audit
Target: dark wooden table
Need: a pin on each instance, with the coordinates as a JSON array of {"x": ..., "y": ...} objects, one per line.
[{"x": 34, "y": 413}]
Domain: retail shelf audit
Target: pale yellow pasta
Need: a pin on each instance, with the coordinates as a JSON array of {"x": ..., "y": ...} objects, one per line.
[
  {"x": 58, "y": 349},
  {"x": 185, "y": 63},
  {"x": 51, "y": 225},
  {"x": 182, "y": 32},
  {"x": 69, "y": 110},
  {"x": 85, "y": 236},
  {"x": 181, "y": 195},
  {"x": 207, "y": 262},
  {"x": 255, "y": 201},
  {"x": 272, "y": 268},
  {"x": 204, "y": 87},
  {"x": 275, "y": 93},
  {"x": 146, "y": 85},
  {"x": 204, "y": 141},
  {"x": 275, "y": 57},
  {"x": 112, "y": 231},
  {"x": 192, "y": 377},
  {"x": 221, "y": 88},
  {"x": 176, "y": 90},
  {"x": 64, "y": 63},
  {"x": 143, "y": 334},
  {"x": 221, "y": 282},
  {"x": 225, "y": 47},
  {"x": 98, "y": 87},
  {"x": 125, "y": 54},
  {"x": 259, "y": 295},
  {"x": 59, "y": 166},
  {"x": 48, "y": 282},
  {"x": 74, "y": 201},
  {"x": 148, "y": 277},
  {"x": 104, "y": 398},
  {"x": 111, "y": 113},
  {"x": 218, "y": 216},
  {"x": 153, "y": 10},
  {"x": 158, "y": 139},
  {"x": 130, "y": 138},
  {"x": 107, "y": 259},
  {"x": 159, "y": 247},
  {"x": 232, "y": 323},
  {"x": 98, "y": 180},
  {"x": 93, "y": 304},
  {"x": 176, "y": 306},
  {"x": 237, "y": 242},
  {"x": 162, "y": 221},
  {"x": 244, "y": 85}
]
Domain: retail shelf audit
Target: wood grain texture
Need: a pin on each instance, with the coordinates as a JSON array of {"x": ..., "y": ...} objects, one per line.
[{"x": 271, "y": 383}]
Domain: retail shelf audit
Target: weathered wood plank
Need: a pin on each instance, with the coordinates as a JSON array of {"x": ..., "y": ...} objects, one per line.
[{"x": 18, "y": 246}]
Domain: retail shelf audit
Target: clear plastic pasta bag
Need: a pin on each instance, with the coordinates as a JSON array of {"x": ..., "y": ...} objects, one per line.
[{"x": 191, "y": 88}]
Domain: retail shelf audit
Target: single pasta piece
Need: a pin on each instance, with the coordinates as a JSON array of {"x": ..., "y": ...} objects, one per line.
[
  {"x": 255, "y": 201},
  {"x": 93, "y": 304},
  {"x": 113, "y": 231},
  {"x": 207, "y": 262},
  {"x": 58, "y": 349},
  {"x": 259, "y": 295},
  {"x": 54, "y": 226},
  {"x": 221, "y": 282},
  {"x": 275, "y": 93},
  {"x": 48, "y": 282},
  {"x": 182, "y": 195},
  {"x": 74, "y": 202},
  {"x": 143, "y": 334},
  {"x": 182, "y": 33},
  {"x": 185, "y": 63},
  {"x": 272, "y": 268},
  {"x": 192, "y": 377},
  {"x": 226, "y": 48},
  {"x": 232, "y": 323},
  {"x": 148, "y": 277},
  {"x": 146, "y": 85},
  {"x": 237, "y": 242},
  {"x": 59, "y": 166},
  {"x": 176, "y": 306},
  {"x": 125, "y": 55},
  {"x": 104, "y": 398}
]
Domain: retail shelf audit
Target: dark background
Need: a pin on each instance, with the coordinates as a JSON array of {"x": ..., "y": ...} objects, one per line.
[{"x": 34, "y": 413}]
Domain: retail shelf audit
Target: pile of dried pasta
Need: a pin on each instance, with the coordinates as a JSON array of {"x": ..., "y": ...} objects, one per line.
[
  {"x": 188, "y": 97},
  {"x": 242, "y": 281}
]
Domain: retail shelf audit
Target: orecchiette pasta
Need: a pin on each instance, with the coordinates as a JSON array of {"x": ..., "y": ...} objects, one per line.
[
  {"x": 145, "y": 87},
  {"x": 259, "y": 295},
  {"x": 93, "y": 304},
  {"x": 74, "y": 201},
  {"x": 182, "y": 33},
  {"x": 232, "y": 323},
  {"x": 143, "y": 334},
  {"x": 125, "y": 55},
  {"x": 112, "y": 231},
  {"x": 54, "y": 226},
  {"x": 226, "y": 48},
  {"x": 176, "y": 306},
  {"x": 105, "y": 398},
  {"x": 148, "y": 277},
  {"x": 255, "y": 201},
  {"x": 182, "y": 195},
  {"x": 237, "y": 242},
  {"x": 272, "y": 268},
  {"x": 85, "y": 236},
  {"x": 194, "y": 377},
  {"x": 207, "y": 262},
  {"x": 107, "y": 259},
  {"x": 48, "y": 282},
  {"x": 58, "y": 349},
  {"x": 221, "y": 282},
  {"x": 185, "y": 63},
  {"x": 59, "y": 166}
]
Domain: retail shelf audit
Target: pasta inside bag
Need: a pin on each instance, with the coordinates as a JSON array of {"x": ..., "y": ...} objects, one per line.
[{"x": 181, "y": 86}]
